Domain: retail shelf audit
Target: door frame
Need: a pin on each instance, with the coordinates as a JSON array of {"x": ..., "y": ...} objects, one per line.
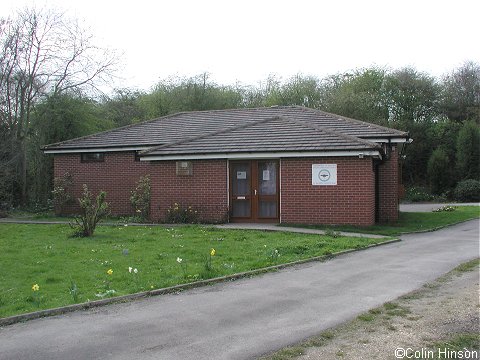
[{"x": 254, "y": 195}]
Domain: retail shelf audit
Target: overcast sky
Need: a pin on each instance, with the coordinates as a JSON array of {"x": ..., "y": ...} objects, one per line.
[{"x": 245, "y": 41}]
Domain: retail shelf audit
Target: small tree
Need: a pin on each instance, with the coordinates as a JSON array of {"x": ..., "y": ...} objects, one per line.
[
  {"x": 61, "y": 191},
  {"x": 140, "y": 198},
  {"x": 438, "y": 170},
  {"x": 92, "y": 212}
]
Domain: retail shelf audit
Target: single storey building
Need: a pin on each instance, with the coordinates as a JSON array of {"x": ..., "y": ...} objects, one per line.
[{"x": 286, "y": 164}]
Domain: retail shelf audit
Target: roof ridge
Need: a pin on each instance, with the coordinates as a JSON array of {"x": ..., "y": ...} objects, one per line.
[
  {"x": 333, "y": 132},
  {"x": 349, "y": 119},
  {"x": 213, "y": 133}
]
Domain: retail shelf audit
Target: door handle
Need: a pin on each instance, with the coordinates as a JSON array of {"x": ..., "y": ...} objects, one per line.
[{"x": 255, "y": 192}]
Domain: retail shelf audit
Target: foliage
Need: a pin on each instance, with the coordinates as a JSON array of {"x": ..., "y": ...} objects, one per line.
[
  {"x": 468, "y": 151},
  {"x": 140, "y": 198},
  {"x": 418, "y": 194},
  {"x": 91, "y": 212},
  {"x": 447, "y": 208},
  {"x": 358, "y": 94},
  {"x": 461, "y": 93},
  {"x": 467, "y": 190},
  {"x": 177, "y": 214},
  {"x": 412, "y": 97},
  {"x": 41, "y": 52},
  {"x": 439, "y": 171},
  {"x": 188, "y": 94},
  {"x": 124, "y": 107},
  {"x": 61, "y": 191},
  {"x": 45, "y": 249},
  {"x": 57, "y": 117}
]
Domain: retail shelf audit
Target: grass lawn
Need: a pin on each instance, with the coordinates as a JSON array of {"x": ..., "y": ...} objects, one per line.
[
  {"x": 410, "y": 222},
  {"x": 46, "y": 255}
]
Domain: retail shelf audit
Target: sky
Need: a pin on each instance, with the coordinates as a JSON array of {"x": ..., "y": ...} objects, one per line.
[{"x": 246, "y": 41}]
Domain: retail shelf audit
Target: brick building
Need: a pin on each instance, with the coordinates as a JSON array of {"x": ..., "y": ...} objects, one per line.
[{"x": 276, "y": 164}]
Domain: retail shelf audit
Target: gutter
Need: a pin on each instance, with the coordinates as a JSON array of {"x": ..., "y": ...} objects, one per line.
[{"x": 264, "y": 155}]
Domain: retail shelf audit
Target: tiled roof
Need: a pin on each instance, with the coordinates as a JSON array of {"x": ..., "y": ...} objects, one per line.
[
  {"x": 189, "y": 125},
  {"x": 268, "y": 135}
]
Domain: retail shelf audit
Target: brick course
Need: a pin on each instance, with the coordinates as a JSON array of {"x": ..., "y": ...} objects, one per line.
[
  {"x": 205, "y": 191},
  {"x": 351, "y": 201},
  {"x": 388, "y": 188},
  {"x": 117, "y": 175}
]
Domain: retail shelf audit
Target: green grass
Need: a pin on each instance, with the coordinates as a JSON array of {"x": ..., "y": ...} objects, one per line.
[
  {"x": 409, "y": 222},
  {"x": 46, "y": 255},
  {"x": 456, "y": 343}
]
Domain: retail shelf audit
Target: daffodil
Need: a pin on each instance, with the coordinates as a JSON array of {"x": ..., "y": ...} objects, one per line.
[
  {"x": 35, "y": 287},
  {"x": 130, "y": 269},
  {"x": 109, "y": 271},
  {"x": 135, "y": 271},
  {"x": 212, "y": 252},
  {"x": 179, "y": 260}
]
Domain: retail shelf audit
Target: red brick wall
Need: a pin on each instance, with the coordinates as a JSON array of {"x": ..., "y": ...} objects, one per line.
[
  {"x": 351, "y": 201},
  {"x": 205, "y": 191},
  {"x": 117, "y": 175},
  {"x": 388, "y": 175}
]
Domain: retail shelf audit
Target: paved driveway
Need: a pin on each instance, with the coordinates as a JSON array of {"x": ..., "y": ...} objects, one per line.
[{"x": 246, "y": 318}]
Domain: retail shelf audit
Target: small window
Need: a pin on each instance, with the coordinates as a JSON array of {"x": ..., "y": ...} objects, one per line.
[
  {"x": 92, "y": 157},
  {"x": 184, "y": 168}
]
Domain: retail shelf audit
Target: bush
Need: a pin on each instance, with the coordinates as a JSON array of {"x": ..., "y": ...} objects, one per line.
[
  {"x": 467, "y": 190},
  {"x": 140, "y": 198},
  {"x": 61, "y": 191},
  {"x": 416, "y": 194},
  {"x": 92, "y": 212},
  {"x": 178, "y": 215}
]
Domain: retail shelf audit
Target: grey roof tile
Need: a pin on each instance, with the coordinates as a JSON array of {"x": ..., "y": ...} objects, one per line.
[
  {"x": 188, "y": 125},
  {"x": 268, "y": 135}
]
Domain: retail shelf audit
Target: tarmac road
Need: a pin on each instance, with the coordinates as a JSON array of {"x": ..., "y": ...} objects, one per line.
[{"x": 249, "y": 317}]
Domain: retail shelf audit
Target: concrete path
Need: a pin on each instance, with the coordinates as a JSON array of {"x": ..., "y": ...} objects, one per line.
[
  {"x": 428, "y": 207},
  {"x": 275, "y": 227},
  {"x": 249, "y": 317}
]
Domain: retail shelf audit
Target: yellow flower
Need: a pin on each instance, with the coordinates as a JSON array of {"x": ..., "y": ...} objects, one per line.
[
  {"x": 109, "y": 271},
  {"x": 151, "y": 286},
  {"x": 212, "y": 252},
  {"x": 35, "y": 287}
]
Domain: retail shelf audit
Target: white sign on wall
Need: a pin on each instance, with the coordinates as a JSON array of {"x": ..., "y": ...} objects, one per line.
[{"x": 324, "y": 174}]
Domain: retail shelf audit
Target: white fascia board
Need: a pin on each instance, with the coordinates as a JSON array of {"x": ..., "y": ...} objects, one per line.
[
  {"x": 90, "y": 150},
  {"x": 387, "y": 140},
  {"x": 264, "y": 155}
]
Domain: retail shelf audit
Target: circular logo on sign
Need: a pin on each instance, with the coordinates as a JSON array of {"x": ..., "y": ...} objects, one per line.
[{"x": 324, "y": 175}]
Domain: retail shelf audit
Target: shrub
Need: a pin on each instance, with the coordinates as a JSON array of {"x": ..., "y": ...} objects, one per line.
[
  {"x": 445, "y": 208},
  {"x": 61, "y": 191},
  {"x": 91, "y": 212},
  {"x": 140, "y": 198},
  {"x": 178, "y": 215},
  {"x": 467, "y": 190},
  {"x": 415, "y": 194}
]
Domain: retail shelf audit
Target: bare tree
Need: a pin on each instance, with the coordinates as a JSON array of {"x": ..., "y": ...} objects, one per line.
[{"x": 41, "y": 53}]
